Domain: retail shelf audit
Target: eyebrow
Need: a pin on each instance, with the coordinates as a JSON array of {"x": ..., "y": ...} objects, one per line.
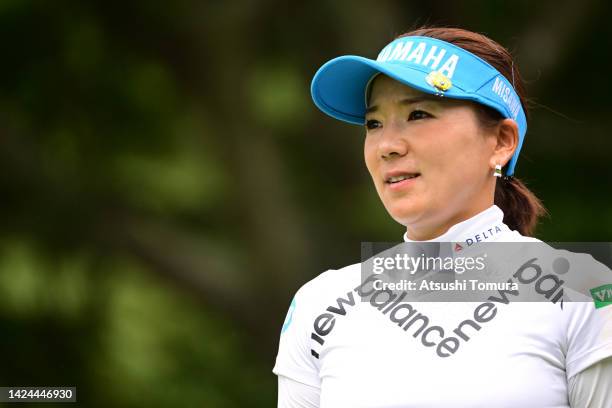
[{"x": 406, "y": 101}]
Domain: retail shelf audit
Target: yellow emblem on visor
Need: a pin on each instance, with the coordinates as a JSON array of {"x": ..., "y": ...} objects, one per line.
[{"x": 439, "y": 81}]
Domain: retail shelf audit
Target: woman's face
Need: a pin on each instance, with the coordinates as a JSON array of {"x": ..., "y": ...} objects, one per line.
[{"x": 429, "y": 157}]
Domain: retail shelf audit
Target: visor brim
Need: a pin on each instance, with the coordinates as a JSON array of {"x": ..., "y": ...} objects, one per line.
[{"x": 339, "y": 86}]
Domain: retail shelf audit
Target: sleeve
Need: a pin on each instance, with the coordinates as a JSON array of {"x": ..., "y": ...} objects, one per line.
[
  {"x": 293, "y": 394},
  {"x": 589, "y": 336},
  {"x": 294, "y": 359},
  {"x": 591, "y": 388}
]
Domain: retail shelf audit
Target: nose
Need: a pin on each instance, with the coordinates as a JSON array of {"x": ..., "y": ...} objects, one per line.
[{"x": 392, "y": 144}]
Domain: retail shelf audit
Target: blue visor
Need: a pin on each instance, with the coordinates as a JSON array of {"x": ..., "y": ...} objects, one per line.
[{"x": 423, "y": 63}]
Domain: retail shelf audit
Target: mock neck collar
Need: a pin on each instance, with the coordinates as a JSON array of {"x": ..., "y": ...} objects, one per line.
[{"x": 484, "y": 226}]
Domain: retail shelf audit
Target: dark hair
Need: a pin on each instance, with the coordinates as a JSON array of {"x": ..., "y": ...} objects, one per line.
[{"x": 521, "y": 207}]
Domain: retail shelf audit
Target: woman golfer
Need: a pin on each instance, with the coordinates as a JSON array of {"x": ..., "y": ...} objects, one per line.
[{"x": 445, "y": 120}]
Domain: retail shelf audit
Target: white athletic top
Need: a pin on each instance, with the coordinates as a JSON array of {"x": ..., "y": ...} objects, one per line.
[{"x": 347, "y": 353}]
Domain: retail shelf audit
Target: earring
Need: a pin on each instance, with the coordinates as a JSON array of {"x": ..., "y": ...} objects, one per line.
[{"x": 497, "y": 172}]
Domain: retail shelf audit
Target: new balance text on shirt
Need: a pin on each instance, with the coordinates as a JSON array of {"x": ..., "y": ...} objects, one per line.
[{"x": 406, "y": 316}]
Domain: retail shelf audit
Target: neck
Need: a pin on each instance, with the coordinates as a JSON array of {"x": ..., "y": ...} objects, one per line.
[{"x": 425, "y": 232}]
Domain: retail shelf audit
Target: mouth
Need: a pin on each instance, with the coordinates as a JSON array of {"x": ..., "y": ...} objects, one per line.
[{"x": 399, "y": 178}]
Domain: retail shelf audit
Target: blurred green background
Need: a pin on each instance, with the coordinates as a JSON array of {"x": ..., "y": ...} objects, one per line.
[{"x": 167, "y": 183}]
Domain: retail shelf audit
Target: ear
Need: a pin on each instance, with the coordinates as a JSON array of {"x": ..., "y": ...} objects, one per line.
[{"x": 507, "y": 134}]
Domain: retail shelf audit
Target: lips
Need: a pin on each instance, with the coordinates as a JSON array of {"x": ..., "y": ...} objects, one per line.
[{"x": 399, "y": 176}]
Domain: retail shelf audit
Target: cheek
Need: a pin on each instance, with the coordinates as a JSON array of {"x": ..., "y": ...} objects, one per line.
[
  {"x": 369, "y": 154},
  {"x": 455, "y": 154},
  {"x": 457, "y": 149}
]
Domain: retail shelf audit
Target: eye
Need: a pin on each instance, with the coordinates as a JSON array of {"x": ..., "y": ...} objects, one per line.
[
  {"x": 418, "y": 114},
  {"x": 372, "y": 124}
]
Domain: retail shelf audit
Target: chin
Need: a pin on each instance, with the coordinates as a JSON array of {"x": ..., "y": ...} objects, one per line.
[{"x": 405, "y": 213}]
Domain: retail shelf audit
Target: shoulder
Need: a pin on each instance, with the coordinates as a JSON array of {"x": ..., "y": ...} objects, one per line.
[
  {"x": 296, "y": 358},
  {"x": 329, "y": 284}
]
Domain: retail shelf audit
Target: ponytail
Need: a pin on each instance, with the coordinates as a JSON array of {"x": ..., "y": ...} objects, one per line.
[{"x": 521, "y": 207}]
